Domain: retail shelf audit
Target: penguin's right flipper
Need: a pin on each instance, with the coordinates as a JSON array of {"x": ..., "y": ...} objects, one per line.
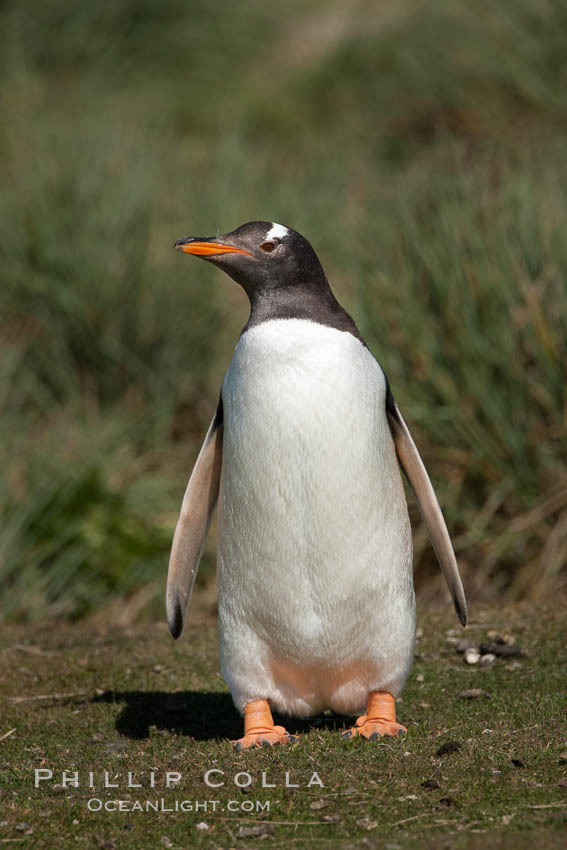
[
  {"x": 190, "y": 533},
  {"x": 412, "y": 464}
]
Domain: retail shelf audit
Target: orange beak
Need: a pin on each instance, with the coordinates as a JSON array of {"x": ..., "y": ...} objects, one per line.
[{"x": 206, "y": 249}]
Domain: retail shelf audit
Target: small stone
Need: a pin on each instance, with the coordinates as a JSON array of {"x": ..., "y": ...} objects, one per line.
[
  {"x": 497, "y": 637},
  {"x": 202, "y": 825},
  {"x": 420, "y": 677},
  {"x": 366, "y": 823},
  {"x": 501, "y": 650},
  {"x": 472, "y": 655},
  {"x": 563, "y": 782},
  {"x": 331, "y": 818},
  {"x": 430, "y": 785},
  {"x": 462, "y": 646},
  {"x": 515, "y": 665},
  {"x": 418, "y": 633},
  {"x": 256, "y": 831},
  {"x": 507, "y": 819},
  {"x": 448, "y": 747},
  {"x": 474, "y": 693},
  {"x": 318, "y": 804},
  {"x": 424, "y": 705},
  {"x": 22, "y": 827},
  {"x": 75, "y": 822},
  {"x": 487, "y": 661},
  {"x": 167, "y": 842}
]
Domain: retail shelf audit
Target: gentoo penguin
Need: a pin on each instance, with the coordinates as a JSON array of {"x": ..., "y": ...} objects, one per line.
[{"x": 315, "y": 590}]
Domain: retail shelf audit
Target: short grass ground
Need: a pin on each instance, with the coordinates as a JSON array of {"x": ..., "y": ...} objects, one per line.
[{"x": 97, "y": 698}]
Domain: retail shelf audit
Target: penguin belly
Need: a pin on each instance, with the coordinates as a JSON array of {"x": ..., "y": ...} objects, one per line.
[{"x": 315, "y": 586}]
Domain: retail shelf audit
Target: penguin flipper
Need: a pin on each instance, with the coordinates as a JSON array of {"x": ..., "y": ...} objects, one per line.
[
  {"x": 191, "y": 530},
  {"x": 412, "y": 464}
]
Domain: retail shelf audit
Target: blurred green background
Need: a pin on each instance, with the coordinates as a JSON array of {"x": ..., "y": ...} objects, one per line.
[{"x": 421, "y": 147}]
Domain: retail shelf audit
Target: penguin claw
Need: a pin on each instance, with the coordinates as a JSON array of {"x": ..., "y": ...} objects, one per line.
[
  {"x": 373, "y": 730},
  {"x": 379, "y": 720},
  {"x": 265, "y": 737}
]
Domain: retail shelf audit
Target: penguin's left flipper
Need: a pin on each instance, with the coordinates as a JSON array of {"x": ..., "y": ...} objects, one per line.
[
  {"x": 412, "y": 464},
  {"x": 191, "y": 531}
]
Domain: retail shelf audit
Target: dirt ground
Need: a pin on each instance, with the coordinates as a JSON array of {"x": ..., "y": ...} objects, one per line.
[{"x": 118, "y": 728}]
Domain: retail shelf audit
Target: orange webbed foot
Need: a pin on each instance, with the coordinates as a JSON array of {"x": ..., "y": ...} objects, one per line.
[
  {"x": 379, "y": 720},
  {"x": 259, "y": 728},
  {"x": 263, "y": 738},
  {"x": 373, "y": 728}
]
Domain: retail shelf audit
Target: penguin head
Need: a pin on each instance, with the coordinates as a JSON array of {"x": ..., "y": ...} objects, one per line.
[{"x": 261, "y": 256}]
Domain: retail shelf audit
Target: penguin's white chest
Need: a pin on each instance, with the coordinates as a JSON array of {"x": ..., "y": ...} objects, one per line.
[{"x": 314, "y": 549}]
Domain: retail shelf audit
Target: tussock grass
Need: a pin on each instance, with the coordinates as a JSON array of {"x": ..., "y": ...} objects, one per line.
[{"x": 420, "y": 150}]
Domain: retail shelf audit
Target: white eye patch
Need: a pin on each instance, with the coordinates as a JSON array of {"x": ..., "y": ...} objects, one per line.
[{"x": 277, "y": 231}]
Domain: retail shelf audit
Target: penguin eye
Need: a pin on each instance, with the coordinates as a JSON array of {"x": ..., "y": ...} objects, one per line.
[{"x": 268, "y": 246}]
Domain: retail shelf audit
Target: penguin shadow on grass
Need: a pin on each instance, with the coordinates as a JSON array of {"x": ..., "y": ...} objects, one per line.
[{"x": 202, "y": 715}]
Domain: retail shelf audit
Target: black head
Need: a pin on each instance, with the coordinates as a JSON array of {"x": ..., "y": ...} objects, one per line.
[
  {"x": 279, "y": 271},
  {"x": 262, "y": 257}
]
